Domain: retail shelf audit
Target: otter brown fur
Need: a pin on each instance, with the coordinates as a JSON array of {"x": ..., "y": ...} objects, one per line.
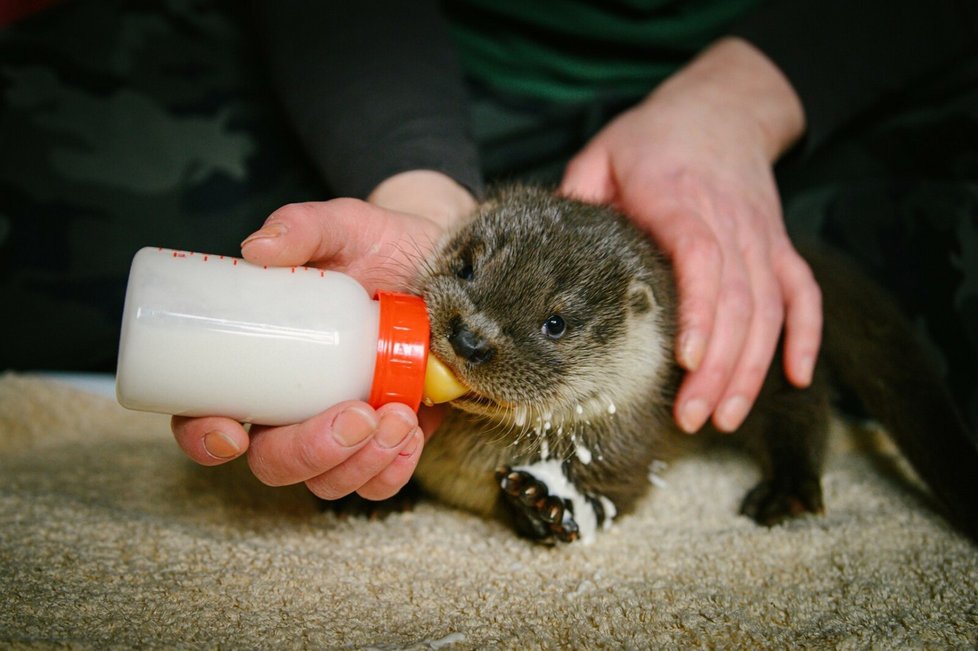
[{"x": 560, "y": 317}]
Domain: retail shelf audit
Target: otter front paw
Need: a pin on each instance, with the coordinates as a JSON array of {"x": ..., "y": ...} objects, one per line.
[
  {"x": 548, "y": 506},
  {"x": 773, "y": 501},
  {"x": 537, "y": 514}
]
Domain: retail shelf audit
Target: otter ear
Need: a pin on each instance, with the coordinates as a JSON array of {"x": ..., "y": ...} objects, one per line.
[{"x": 640, "y": 297}]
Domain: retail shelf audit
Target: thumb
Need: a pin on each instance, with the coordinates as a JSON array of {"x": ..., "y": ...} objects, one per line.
[
  {"x": 299, "y": 233},
  {"x": 589, "y": 177},
  {"x": 380, "y": 248}
]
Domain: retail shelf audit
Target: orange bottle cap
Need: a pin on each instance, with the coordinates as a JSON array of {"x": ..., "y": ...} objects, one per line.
[{"x": 402, "y": 350}]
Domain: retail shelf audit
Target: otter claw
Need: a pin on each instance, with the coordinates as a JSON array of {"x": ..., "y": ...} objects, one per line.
[
  {"x": 538, "y": 514},
  {"x": 520, "y": 485},
  {"x": 552, "y": 510}
]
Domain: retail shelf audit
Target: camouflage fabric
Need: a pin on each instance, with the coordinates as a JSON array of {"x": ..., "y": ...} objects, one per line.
[
  {"x": 126, "y": 124},
  {"x": 131, "y": 124}
]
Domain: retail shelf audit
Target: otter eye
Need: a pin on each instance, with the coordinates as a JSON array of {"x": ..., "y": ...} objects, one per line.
[
  {"x": 465, "y": 272},
  {"x": 554, "y": 327}
]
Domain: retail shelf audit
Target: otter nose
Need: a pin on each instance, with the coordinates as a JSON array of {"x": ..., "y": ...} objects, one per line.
[{"x": 469, "y": 345}]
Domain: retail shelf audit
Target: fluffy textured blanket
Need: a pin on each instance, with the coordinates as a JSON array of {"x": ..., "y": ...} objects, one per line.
[{"x": 109, "y": 536}]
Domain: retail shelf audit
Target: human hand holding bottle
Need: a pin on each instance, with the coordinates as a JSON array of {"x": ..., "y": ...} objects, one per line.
[{"x": 350, "y": 447}]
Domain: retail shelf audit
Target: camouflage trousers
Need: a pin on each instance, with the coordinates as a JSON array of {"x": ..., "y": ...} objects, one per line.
[{"x": 130, "y": 124}]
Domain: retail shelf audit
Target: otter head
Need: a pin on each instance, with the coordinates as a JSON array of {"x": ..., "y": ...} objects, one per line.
[{"x": 549, "y": 308}]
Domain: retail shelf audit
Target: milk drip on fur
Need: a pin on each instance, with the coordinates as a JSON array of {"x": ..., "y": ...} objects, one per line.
[{"x": 209, "y": 335}]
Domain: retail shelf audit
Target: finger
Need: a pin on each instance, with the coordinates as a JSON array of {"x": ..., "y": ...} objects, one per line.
[
  {"x": 745, "y": 382},
  {"x": 291, "y": 454},
  {"x": 378, "y": 247},
  {"x": 697, "y": 266},
  {"x": 396, "y": 429},
  {"x": 300, "y": 232},
  {"x": 393, "y": 478},
  {"x": 209, "y": 441},
  {"x": 588, "y": 176},
  {"x": 701, "y": 389},
  {"x": 803, "y": 319}
]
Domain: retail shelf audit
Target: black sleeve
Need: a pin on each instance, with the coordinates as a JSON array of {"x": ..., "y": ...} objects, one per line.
[
  {"x": 373, "y": 88},
  {"x": 845, "y": 56}
]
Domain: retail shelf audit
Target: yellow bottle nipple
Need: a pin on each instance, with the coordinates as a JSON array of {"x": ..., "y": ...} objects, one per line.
[{"x": 440, "y": 384}]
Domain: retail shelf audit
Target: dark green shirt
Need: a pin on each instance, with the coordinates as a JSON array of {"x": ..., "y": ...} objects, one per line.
[{"x": 576, "y": 50}]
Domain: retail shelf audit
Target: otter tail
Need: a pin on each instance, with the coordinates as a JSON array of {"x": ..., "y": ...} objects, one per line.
[{"x": 873, "y": 351}]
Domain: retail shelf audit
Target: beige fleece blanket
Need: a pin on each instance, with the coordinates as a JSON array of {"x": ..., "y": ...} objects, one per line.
[{"x": 109, "y": 536}]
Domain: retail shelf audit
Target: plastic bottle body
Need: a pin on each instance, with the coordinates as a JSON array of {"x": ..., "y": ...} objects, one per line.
[{"x": 207, "y": 335}]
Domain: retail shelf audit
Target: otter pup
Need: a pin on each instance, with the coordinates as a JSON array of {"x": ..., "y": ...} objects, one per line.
[{"x": 560, "y": 317}]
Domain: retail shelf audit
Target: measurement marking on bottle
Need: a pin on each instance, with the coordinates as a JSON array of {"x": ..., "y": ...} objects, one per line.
[{"x": 206, "y": 257}]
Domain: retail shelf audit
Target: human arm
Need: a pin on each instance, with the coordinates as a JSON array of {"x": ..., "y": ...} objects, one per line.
[
  {"x": 372, "y": 89},
  {"x": 843, "y": 58}
]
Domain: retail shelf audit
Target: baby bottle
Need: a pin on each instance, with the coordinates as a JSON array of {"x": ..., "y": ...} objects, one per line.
[{"x": 208, "y": 335}]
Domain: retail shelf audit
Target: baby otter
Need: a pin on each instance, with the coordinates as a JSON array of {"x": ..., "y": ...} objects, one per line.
[{"x": 560, "y": 317}]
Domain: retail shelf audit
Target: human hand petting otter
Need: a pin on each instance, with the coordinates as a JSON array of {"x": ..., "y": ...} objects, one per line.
[
  {"x": 351, "y": 447},
  {"x": 692, "y": 165}
]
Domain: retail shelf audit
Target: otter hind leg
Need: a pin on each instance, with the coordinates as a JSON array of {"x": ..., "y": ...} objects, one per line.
[
  {"x": 788, "y": 436},
  {"x": 777, "y": 499},
  {"x": 546, "y": 506}
]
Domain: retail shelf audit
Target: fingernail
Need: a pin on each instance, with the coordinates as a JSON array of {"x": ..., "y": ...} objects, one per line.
[
  {"x": 732, "y": 413},
  {"x": 416, "y": 437},
  {"x": 266, "y": 232},
  {"x": 806, "y": 369},
  {"x": 691, "y": 349},
  {"x": 692, "y": 415},
  {"x": 353, "y": 426},
  {"x": 220, "y": 446},
  {"x": 392, "y": 431}
]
